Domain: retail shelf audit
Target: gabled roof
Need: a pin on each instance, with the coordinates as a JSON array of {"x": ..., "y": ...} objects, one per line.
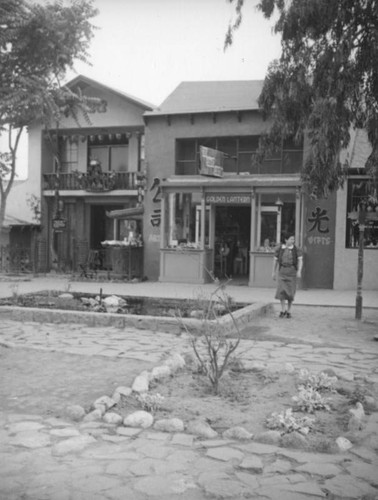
[
  {"x": 216, "y": 96},
  {"x": 84, "y": 81}
]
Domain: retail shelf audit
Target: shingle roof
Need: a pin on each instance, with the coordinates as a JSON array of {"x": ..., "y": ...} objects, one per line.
[
  {"x": 216, "y": 96},
  {"x": 81, "y": 79}
]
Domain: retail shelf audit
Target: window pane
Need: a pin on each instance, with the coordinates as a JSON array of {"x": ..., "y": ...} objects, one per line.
[
  {"x": 100, "y": 153},
  {"x": 186, "y": 149},
  {"x": 249, "y": 143},
  {"x": 119, "y": 158},
  {"x": 68, "y": 154}
]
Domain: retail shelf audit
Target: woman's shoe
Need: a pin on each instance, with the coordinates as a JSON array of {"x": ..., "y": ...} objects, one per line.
[
  {"x": 288, "y": 315},
  {"x": 282, "y": 314}
]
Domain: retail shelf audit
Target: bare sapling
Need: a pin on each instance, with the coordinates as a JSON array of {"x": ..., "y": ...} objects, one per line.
[{"x": 214, "y": 344}]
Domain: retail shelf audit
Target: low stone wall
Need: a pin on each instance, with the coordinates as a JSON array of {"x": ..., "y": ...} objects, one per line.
[{"x": 155, "y": 323}]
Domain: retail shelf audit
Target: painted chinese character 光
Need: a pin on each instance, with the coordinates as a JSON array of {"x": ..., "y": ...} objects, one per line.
[{"x": 318, "y": 217}]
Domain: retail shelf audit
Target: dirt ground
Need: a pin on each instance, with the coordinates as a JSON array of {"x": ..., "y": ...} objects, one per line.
[{"x": 44, "y": 383}]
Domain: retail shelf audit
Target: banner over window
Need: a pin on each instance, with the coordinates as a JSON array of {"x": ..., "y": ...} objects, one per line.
[{"x": 211, "y": 162}]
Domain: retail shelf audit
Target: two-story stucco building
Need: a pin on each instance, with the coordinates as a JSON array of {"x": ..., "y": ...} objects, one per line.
[
  {"x": 96, "y": 176},
  {"x": 202, "y": 222}
]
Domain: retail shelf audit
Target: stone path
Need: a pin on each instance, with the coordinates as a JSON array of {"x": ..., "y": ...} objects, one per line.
[{"x": 45, "y": 458}]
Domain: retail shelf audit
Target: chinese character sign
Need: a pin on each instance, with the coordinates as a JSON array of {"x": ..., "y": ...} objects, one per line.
[{"x": 319, "y": 242}]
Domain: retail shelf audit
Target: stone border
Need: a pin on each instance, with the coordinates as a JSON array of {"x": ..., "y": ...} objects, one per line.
[
  {"x": 101, "y": 409},
  {"x": 155, "y": 323}
]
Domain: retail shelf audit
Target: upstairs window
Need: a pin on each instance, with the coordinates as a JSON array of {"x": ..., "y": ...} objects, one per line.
[
  {"x": 69, "y": 153},
  {"x": 240, "y": 153},
  {"x": 111, "y": 150}
]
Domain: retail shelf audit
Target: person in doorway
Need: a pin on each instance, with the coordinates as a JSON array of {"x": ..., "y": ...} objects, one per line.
[{"x": 288, "y": 261}]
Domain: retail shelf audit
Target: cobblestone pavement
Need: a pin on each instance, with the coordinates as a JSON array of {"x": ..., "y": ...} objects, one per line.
[{"x": 125, "y": 463}]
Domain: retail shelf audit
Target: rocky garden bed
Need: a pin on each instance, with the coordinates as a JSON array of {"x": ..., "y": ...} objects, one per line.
[{"x": 295, "y": 409}]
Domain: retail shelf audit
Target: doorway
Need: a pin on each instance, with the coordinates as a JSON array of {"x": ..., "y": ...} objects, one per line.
[{"x": 232, "y": 240}]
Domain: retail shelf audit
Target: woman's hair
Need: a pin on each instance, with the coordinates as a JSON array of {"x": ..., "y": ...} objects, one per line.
[{"x": 287, "y": 235}]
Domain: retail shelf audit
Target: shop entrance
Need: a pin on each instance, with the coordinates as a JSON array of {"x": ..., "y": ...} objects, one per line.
[{"x": 232, "y": 240}]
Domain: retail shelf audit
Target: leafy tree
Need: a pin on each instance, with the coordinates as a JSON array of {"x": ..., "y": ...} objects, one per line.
[
  {"x": 38, "y": 44},
  {"x": 325, "y": 82}
]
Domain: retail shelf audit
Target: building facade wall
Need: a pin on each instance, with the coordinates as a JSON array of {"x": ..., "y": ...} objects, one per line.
[
  {"x": 70, "y": 247},
  {"x": 161, "y": 135}
]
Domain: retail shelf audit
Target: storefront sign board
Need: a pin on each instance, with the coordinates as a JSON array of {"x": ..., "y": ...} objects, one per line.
[
  {"x": 228, "y": 198},
  {"x": 211, "y": 162},
  {"x": 59, "y": 225}
]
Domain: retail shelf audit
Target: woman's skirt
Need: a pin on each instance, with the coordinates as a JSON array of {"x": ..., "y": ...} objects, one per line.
[{"x": 287, "y": 283}]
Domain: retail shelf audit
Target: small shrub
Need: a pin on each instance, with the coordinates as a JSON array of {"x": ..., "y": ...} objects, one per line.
[
  {"x": 309, "y": 400},
  {"x": 150, "y": 402},
  {"x": 287, "y": 422},
  {"x": 319, "y": 381}
]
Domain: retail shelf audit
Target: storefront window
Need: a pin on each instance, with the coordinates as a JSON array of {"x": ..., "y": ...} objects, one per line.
[
  {"x": 362, "y": 194},
  {"x": 184, "y": 224}
]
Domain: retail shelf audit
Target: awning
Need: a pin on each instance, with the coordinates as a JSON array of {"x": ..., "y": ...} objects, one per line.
[{"x": 127, "y": 213}]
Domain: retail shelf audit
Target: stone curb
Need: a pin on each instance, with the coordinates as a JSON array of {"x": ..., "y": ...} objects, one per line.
[{"x": 156, "y": 323}]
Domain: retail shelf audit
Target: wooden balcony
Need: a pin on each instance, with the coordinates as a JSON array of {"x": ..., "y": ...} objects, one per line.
[{"x": 105, "y": 181}]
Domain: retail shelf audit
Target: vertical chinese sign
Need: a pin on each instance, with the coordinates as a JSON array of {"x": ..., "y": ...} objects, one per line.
[{"x": 319, "y": 242}]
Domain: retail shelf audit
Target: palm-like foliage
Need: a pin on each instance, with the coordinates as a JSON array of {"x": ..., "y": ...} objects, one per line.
[{"x": 38, "y": 44}]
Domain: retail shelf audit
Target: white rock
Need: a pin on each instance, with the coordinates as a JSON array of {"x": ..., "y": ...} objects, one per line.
[
  {"x": 202, "y": 429},
  {"x": 356, "y": 421},
  {"x": 175, "y": 362},
  {"x": 112, "y": 418},
  {"x": 138, "y": 419},
  {"x": 197, "y": 314},
  {"x": 343, "y": 443},
  {"x": 93, "y": 415},
  {"x": 75, "y": 412},
  {"x": 140, "y": 384},
  {"x": 101, "y": 408},
  {"x": 160, "y": 372},
  {"x": 116, "y": 397},
  {"x": 237, "y": 433},
  {"x": 122, "y": 391},
  {"x": 358, "y": 412},
  {"x": 169, "y": 425},
  {"x": 114, "y": 301},
  {"x": 66, "y": 296},
  {"x": 371, "y": 403},
  {"x": 106, "y": 401}
]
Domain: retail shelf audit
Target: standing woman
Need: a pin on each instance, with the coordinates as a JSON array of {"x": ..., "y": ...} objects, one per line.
[{"x": 288, "y": 261}]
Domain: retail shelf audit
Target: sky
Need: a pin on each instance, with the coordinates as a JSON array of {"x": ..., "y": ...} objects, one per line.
[{"x": 147, "y": 47}]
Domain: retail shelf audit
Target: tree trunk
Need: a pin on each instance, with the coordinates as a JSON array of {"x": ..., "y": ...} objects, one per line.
[
  {"x": 2, "y": 217},
  {"x": 360, "y": 268}
]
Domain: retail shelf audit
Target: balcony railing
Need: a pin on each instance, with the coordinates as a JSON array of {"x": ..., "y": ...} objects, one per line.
[{"x": 99, "y": 182}]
